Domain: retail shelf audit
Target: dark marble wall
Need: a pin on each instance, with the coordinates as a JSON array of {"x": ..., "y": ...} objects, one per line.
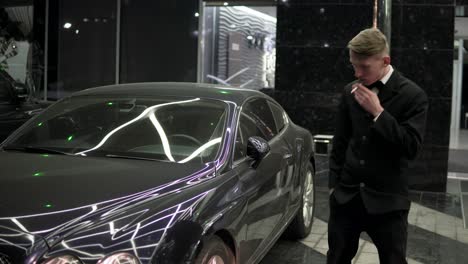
[
  {"x": 422, "y": 49},
  {"x": 312, "y": 66},
  {"x": 312, "y": 59}
]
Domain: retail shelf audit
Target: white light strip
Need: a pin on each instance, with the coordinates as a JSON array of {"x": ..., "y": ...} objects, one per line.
[
  {"x": 237, "y": 74},
  {"x": 111, "y": 228},
  {"x": 132, "y": 240},
  {"x": 82, "y": 252},
  {"x": 19, "y": 225},
  {"x": 162, "y": 135},
  {"x": 30, "y": 237},
  {"x": 255, "y": 13},
  {"x": 200, "y": 149}
]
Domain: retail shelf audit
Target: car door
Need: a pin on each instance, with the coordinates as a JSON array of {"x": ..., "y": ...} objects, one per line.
[
  {"x": 293, "y": 182},
  {"x": 263, "y": 183}
]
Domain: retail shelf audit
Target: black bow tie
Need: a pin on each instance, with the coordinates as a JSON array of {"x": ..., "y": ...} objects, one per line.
[{"x": 378, "y": 84}]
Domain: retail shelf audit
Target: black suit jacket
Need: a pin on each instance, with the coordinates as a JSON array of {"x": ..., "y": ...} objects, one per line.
[{"x": 371, "y": 158}]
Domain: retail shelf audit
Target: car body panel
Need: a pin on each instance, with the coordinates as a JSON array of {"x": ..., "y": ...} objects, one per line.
[{"x": 161, "y": 212}]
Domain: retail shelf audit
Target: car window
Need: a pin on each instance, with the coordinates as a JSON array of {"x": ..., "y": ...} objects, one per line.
[
  {"x": 4, "y": 93},
  {"x": 255, "y": 119},
  {"x": 260, "y": 114},
  {"x": 279, "y": 115},
  {"x": 170, "y": 130}
]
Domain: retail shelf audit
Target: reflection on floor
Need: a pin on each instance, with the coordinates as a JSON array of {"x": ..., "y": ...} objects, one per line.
[
  {"x": 459, "y": 139},
  {"x": 436, "y": 232}
]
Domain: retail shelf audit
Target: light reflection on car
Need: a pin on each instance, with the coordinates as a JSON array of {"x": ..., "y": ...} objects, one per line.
[
  {"x": 155, "y": 173},
  {"x": 129, "y": 127}
]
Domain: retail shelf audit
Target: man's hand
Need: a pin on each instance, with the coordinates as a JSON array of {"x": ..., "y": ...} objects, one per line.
[
  {"x": 331, "y": 191},
  {"x": 367, "y": 99}
]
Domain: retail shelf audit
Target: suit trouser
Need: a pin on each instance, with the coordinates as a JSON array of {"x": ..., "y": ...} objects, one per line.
[{"x": 388, "y": 232}]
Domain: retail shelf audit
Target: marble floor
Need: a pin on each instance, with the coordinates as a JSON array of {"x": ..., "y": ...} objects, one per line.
[
  {"x": 436, "y": 232},
  {"x": 459, "y": 139}
]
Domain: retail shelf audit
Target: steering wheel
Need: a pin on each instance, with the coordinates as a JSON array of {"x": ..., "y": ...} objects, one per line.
[{"x": 187, "y": 137}]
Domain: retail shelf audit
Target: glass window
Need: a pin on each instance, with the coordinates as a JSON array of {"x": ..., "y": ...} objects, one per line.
[
  {"x": 82, "y": 45},
  {"x": 4, "y": 95},
  {"x": 159, "y": 41},
  {"x": 21, "y": 44},
  {"x": 239, "y": 45},
  {"x": 259, "y": 112},
  {"x": 279, "y": 115},
  {"x": 176, "y": 131},
  {"x": 5, "y": 83},
  {"x": 255, "y": 120}
]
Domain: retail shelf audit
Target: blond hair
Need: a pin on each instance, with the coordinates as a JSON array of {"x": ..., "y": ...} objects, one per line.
[{"x": 369, "y": 42}]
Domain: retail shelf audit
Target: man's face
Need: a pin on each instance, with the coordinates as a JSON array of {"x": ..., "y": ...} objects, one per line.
[{"x": 369, "y": 69}]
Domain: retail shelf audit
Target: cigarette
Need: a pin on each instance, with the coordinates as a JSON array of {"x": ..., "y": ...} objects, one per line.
[{"x": 354, "y": 89}]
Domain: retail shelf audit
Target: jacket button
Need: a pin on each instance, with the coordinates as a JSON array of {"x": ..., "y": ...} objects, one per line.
[
  {"x": 362, "y": 185},
  {"x": 362, "y": 162}
]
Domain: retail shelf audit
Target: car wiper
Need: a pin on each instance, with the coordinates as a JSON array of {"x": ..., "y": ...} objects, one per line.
[
  {"x": 129, "y": 157},
  {"x": 36, "y": 150}
]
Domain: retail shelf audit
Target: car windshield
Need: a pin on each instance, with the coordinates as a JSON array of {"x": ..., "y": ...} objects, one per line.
[{"x": 175, "y": 130}]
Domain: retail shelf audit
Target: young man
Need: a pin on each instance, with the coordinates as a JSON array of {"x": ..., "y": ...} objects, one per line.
[{"x": 380, "y": 127}]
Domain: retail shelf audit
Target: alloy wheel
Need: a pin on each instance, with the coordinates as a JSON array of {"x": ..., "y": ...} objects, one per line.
[
  {"x": 215, "y": 260},
  {"x": 308, "y": 198}
]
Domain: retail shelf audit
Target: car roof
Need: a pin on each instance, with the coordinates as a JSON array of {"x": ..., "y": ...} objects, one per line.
[{"x": 179, "y": 89}]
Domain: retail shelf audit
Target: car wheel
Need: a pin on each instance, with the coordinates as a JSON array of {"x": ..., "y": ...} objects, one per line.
[
  {"x": 302, "y": 223},
  {"x": 215, "y": 251}
]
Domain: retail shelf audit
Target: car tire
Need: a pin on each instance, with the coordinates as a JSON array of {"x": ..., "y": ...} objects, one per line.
[
  {"x": 215, "y": 251},
  {"x": 302, "y": 223}
]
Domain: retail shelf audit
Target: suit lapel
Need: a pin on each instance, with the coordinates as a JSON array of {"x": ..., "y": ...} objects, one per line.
[{"x": 390, "y": 88}]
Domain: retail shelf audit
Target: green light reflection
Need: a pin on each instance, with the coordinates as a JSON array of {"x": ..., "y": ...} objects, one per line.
[{"x": 38, "y": 174}]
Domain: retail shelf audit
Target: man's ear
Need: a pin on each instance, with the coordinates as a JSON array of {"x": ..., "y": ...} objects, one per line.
[{"x": 387, "y": 60}]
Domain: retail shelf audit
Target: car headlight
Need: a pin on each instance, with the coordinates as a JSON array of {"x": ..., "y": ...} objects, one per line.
[
  {"x": 120, "y": 258},
  {"x": 66, "y": 259}
]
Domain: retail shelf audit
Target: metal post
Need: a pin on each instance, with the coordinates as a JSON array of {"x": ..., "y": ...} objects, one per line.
[
  {"x": 117, "y": 43},
  {"x": 201, "y": 41},
  {"x": 457, "y": 89},
  {"x": 46, "y": 49},
  {"x": 384, "y": 18},
  {"x": 461, "y": 49}
]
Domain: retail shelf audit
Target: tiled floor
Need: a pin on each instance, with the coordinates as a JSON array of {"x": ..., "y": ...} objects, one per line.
[
  {"x": 459, "y": 139},
  {"x": 435, "y": 235},
  {"x": 436, "y": 232}
]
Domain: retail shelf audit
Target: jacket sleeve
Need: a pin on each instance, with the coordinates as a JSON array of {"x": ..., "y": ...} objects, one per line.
[
  {"x": 407, "y": 134},
  {"x": 340, "y": 142}
]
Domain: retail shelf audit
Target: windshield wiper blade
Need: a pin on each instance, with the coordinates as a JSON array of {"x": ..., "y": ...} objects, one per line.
[
  {"x": 129, "y": 157},
  {"x": 36, "y": 150}
]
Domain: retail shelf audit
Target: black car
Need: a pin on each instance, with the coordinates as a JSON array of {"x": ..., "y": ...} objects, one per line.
[
  {"x": 16, "y": 106},
  {"x": 155, "y": 173}
]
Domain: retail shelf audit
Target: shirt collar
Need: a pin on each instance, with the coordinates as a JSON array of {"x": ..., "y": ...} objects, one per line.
[{"x": 384, "y": 80}]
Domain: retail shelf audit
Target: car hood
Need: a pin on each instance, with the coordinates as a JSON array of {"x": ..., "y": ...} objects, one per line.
[
  {"x": 44, "y": 198},
  {"x": 38, "y": 184}
]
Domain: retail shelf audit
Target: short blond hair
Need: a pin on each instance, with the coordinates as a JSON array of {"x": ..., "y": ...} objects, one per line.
[{"x": 369, "y": 42}]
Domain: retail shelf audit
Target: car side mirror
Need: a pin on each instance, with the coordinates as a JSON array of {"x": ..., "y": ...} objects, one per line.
[{"x": 257, "y": 148}]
